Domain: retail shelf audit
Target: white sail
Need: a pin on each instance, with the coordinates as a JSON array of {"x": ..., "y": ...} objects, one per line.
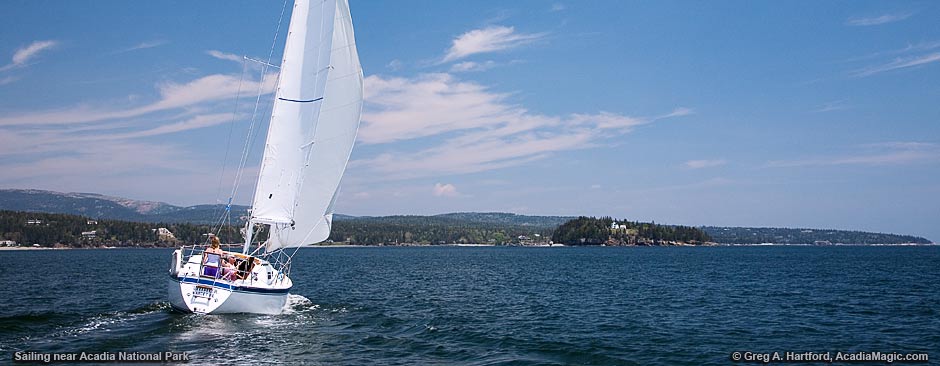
[{"x": 313, "y": 126}]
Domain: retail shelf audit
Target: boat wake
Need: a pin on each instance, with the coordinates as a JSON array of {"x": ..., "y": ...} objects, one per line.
[
  {"x": 57, "y": 328},
  {"x": 298, "y": 304},
  {"x": 107, "y": 321}
]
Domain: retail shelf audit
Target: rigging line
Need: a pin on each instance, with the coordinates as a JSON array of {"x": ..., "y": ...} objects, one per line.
[
  {"x": 228, "y": 143},
  {"x": 226, "y": 215},
  {"x": 248, "y": 139},
  {"x": 262, "y": 62},
  {"x": 277, "y": 31}
]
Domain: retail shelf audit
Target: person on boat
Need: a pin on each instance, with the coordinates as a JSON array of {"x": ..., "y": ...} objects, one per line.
[
  {"x": 229, "y": 270},
  {"x": 214, "y": 246}
]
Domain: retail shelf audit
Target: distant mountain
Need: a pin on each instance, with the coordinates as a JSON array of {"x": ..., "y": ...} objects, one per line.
[
  {"x": 86, "y": 204},
  {"x": 109, "y": 207},
  {"x": 117, "y": 208}
]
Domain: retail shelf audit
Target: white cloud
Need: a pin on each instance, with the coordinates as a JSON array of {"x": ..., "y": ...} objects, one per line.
[
  {"x": 476, "y": 129},
  {"x": 395, "y": 65},
  {"x": 883, "y": 19},
  {"x": 109, "y": 148},
  {"x": 445, "y": 190},
  {"x": 172, "y": 96},
  {"x": 700, "y": 164},
  {"x": 831, "y": 106},
  {"x": 430, "y": 104},
  {"x": 197, "y": 122},
  {"x": 899, "y": 63},
  {"x": 225, "y": 56},
  {"x": 142, "y": 46},
  {"x": 468, "y": 66},
  {"x": 557, "y": 7},
  {"x": 678, "y": 112},
  {"x": 606, "y": 120},
  {"x": 489, "y": 39},
  {"x": 23, "y": 55},
  {"x": 123, "y": 169},
  {"x": 886, "y": 153}
]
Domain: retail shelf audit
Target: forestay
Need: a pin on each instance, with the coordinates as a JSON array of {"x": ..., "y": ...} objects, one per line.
[{"x": 313, "y": 125}]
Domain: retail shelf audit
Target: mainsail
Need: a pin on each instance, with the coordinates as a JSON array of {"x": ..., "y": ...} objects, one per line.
[{"x": 313, "y": 125}]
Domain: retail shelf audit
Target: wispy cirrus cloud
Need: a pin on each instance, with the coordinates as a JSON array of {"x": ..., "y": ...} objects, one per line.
[
  {"x": 476, "y": 129},
  {"x": 225, "y": 56},
  {"x": 24, "y": 55},
  {"x": 470, "y": 66},
  {"x": 395, "y": 65},
  {"x": 878, "y": 20},
  {"x": 885, "y": 153},
  {"x": 835, "y": 105},
  {"x": 490, "y": 39},
  {"x": 73, "y": 142},
  {"x": 142, "y": 46},
  {"x": 898, "y": 63},
  {"x": 173, "y": 95},
  {"x": 701, "y": 164}
]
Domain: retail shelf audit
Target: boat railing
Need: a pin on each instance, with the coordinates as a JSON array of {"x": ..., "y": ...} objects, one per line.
[
  {"x": 190, "y": 250},
  {"x": 222, "y": 274},
  {"x": 281, "y": 260}
]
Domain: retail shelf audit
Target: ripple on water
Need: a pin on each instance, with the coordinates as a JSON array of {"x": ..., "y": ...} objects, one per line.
[{"x": 498, "y": 306}]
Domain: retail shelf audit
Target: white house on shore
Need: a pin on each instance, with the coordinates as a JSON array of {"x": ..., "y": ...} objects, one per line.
[{"x": 164, "y": 234}]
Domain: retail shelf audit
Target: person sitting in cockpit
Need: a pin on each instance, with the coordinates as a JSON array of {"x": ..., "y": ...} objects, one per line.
[
  {"x": 214, "y": 246},
  {"x": 229, "y": 270}
]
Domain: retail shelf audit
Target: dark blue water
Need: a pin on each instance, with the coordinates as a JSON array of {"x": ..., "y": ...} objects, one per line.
[{"x": 491, "y": 306}]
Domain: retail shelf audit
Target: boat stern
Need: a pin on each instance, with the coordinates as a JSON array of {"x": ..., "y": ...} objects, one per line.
[
  {"x": 198, "y": 286},
  {"x": 196, "y": 297}
]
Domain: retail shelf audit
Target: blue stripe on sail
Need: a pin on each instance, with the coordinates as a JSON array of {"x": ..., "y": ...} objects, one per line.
[
  {"x": 300, "y": 101},
  {"x": 226, "y": 286}
]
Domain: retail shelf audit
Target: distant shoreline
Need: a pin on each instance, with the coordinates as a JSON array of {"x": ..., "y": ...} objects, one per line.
[
  {"x": 34, "y": 248},
  {"x": 519, "y": 246}
]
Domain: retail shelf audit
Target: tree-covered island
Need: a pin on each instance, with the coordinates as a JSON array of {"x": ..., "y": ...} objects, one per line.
[{"x": 607, "y": 231}]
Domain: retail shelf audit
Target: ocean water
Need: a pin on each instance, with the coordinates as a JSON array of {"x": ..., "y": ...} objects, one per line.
[{"x": 492, "y": 306}]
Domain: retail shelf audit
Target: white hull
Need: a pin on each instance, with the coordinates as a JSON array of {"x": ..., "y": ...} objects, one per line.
[
  {"x": 223, "y": 301},
  {"x": 264, "y": 291}
]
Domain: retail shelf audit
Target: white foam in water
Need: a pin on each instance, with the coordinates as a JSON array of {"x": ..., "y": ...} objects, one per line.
[
  {"x": 297, "y": 303},
  {"x": 106, "y": 321}
]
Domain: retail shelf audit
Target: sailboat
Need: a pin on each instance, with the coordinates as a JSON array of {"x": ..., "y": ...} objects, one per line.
[{"x": 313, "y": 126}]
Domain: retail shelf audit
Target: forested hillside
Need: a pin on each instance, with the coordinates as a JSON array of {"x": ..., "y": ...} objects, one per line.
[
  {"x": 756, "y": 235},
  {"x": 27, "y": 228},
  {"x": 607, "y": 231},
  {"x": 123, "y": 221}
]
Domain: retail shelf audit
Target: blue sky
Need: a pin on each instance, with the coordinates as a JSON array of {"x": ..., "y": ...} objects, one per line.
[{"x": 797, "y": 114}]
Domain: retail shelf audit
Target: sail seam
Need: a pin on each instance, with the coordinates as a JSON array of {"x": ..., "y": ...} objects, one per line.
[{"x": 300, "y": 101}]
